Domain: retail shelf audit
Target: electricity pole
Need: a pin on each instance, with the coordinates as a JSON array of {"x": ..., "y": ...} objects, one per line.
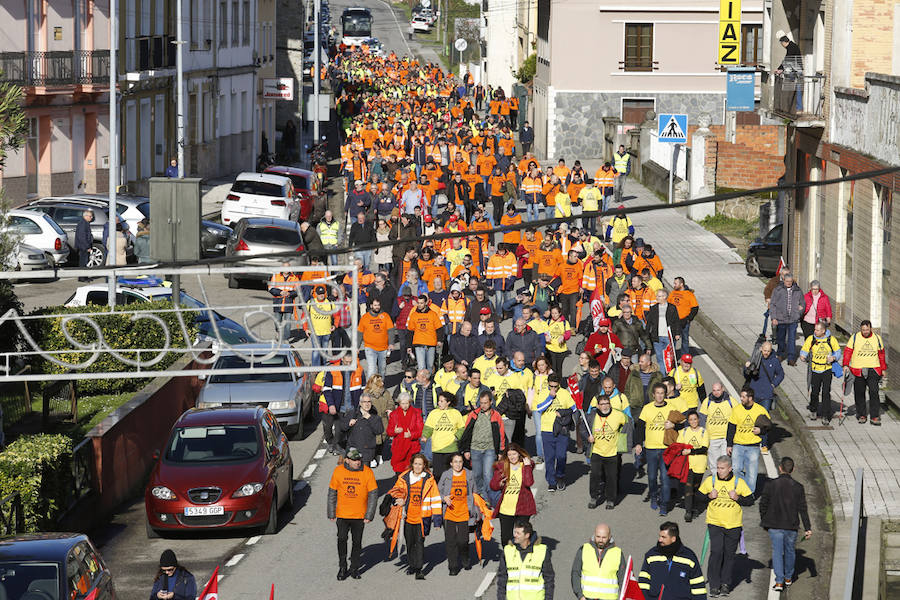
[{"x": 113, "y": 149}]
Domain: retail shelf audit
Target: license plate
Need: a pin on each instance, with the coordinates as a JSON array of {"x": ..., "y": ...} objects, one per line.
[{"x": 203, "y": 511}]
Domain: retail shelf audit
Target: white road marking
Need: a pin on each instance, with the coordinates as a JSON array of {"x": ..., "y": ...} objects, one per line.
[
  {"x": 485, "y": 583},
  {"x": 219, "y": 577},
  {"x": 319, "y": 453},
  {"x": 253, "y": 540},
  {"x": 234, "y": 560},
  {"x": 400, "y": 29},
  {"x": 309, "y": 470}
]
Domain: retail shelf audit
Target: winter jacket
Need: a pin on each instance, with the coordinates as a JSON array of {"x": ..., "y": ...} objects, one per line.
[
  {"x": 823, "y": 307},
  {"x": 652, "y": 318},
  {"x": 614, "y": 289},
  {"x": 84, "y": 238},
  {"x": 632, "y": 334},
  {"x": 634, "y": 387},
  {"x": 402, "y": 447},
  {"x": 387, "y": 296},
  {"x": 445, "y": 485},
  {"x": 779, "y": 307},
  {"x": 528, "y": 343},
  {"x": 458, "y": 190},
  {"x": 351, "y": 206},
  {"x": 361, "y": 234},
  {"x": 465, "y": 348},
  {"x": 497, "y": 431},
  {"x": 498, "y": 340},
  {"x": 431, "y": 503},
  {"x": 473, "y": 311},
  {"x": 769, "y": 377},
  {"x": 525, "y": 506},
  {"x": 513, "y": 405},
  {"x": 184, "y": 585},
  {"x": 782, "y": 504},
  {"x": 672, "y": 573},
  {"x": 677, "y": 463},
  {"x": 401, "y": 234},
  {"x": 364, "y": 433}
]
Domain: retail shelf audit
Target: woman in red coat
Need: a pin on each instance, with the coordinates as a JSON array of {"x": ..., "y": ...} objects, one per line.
[
  {"x": 405, "y": 427},
  {"x": 513, "y": 478}
]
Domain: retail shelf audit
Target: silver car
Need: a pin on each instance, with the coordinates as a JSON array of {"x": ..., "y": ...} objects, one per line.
[
  {"x": 39, "y": 230},
  {"x": 288, "y": 395},
  {"x": 26, "y": 258},
  {"x": 256, "y": 239}
]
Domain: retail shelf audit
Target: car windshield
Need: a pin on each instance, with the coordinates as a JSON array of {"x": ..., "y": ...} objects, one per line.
[
  {"x": 29, "y": 580},
  {"x": 144, "y": 208},
  {"x": 236, "y": 362},
  {"x": 272, "y": 235},
  {"x": 260, "y": 188},
  {"x": 214, "y": 443}
]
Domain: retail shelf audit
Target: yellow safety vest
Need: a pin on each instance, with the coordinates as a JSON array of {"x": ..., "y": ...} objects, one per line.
[
  {"x": 600, "y": 580},
  {"x": 621, "y": 162},
  {"x": 524, "y": 578},
  {"x": 328, "y": 233}
]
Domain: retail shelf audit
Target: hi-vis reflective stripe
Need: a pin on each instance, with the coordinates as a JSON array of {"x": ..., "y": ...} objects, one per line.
[
  {"x": 683, "y": 560},
  {"x": 698, "y": 591},
  {"x": 697, "y": 580},
  {"x": 531, "y": 587}
]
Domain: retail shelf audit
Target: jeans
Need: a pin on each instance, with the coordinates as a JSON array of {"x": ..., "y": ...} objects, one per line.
[
  {"x": 619, "y": 187},
  {"x": 332, "y": 257},
  {"x": 531, "y": 211},
  {"x": 656, "y": 470},
  {"x": 500, "y": 298},
  {"x": 483, "y": 468},
  {"x": 717, "y": 448},
  {"x": 685, "y": 339},
  {"x": 783, "y": 541},
  {"x": 353, "y": 527},
  {"x": 424, "y": 357},
  {"x": 538, "y": 438},
  {"x": 659, "y": 347},
  {"x": 376, "y": 362},
  {"x": 556, "y": 448},
  {"x": 576, "y": 211},
  {"x": 786, "y": 336},
  {"x": 745, "y": 463},
  {"x": 607, "y": 194},
  {"x": 319, "y": 341},
  {"x": 723, "y": 544},
  {"x": 366, "y": 256},
  {"x": 590, "y": 223},
  {"x": 514, "y": 306},
  {"x": 426, "y": 448}
]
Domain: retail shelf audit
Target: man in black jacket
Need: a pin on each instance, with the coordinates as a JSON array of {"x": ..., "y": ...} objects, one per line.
[
  {"x": 657, "y": 330},
  {"x": 458, "y": 193},
  {"x": 523, "y": 339},
  {"x": 383, "y": 291},
  {"x": 84, "y": 239},
  {"x": 782, "y": 506},
  {"x": 464, "y": 345},
  {"x": 526, "y": 137},
  {"x": 515, "y": 557}
]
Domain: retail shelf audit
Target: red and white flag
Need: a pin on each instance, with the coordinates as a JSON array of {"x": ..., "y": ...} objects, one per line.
[
  {"x": 211, "y": 589},
  {"x": 574, "y": 390},
  {"x": 597, "y": 311},
  {"x": 669, "y": 353},
  {"x": 780, "y": 266},
  {"x": 630, "y": 589}
]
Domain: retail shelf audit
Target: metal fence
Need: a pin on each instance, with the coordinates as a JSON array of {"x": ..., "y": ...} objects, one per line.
[
  {"x": 59, "y": 67},
  {"x": 12, "y": 515},
  {"x": 799, "y": 95}
]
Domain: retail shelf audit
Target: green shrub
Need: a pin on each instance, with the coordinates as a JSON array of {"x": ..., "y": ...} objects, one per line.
[
  {"x": 119, "y": 331},
  {"x": 39, "y": 468},
  {"x": 528, "y": 69}
]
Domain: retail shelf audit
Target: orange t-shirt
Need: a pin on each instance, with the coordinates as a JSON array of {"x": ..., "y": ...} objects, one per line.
[
  {"x": 550, "y": 190},
  {"x": 353, "y": 489},
  {"x": 531, "y": 248},
  {"x": 375, "y": 330},
  {"x": 684, "y": 301},
  {"x": 485, "y": 163},
  {"x": 424, "y": 326},
  {"x": 458, "y": 512},
  {"x": 511, "y": 237},
  {"x": 414, "y": 507},
  {"x": 570, "y": 277},
  {"x": 547, "y": 262}
]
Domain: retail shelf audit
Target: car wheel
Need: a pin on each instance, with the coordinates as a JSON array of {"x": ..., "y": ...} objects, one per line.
[
  {"x": 272, "y": 524},
  {"x": 752, "y": 265},
  {"x": 152, "y": 534},
  {"x": 96, "y": 257},
  {"x": 233, "y": 282}
]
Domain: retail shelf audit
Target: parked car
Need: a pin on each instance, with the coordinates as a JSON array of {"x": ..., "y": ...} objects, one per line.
[
  {"x": 26, "y": 258},
  {"x": 260, "y": 195},
  {"x": 137, "y": 290},
  {"x": 40, "y": 231},
  {"x": 420, "y": 23},
  {"x": 221, "y": 467},
  {"x": 765, "y": 253},
  {"x": 306, "y": 186},
  {"x": 255, "y": 239},
  {"x": 53, "y": 566},
  {"x": 429, "y": 15},
  {"x": 130, "y": 207},
  {"x": 288, "y": 395},
  {"x": 67, "y": 212},
  {"x": 213, "y": 238}
]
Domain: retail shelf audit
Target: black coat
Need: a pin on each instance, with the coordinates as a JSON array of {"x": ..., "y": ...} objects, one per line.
[
  {"x": 527, "y": 342},
  {"x": 526, "y": 135},
  {"x": 652, "y": 319},
  {"x": 513, "y": 405},
  {"x": 458, "y": 189},
  {"x": 313, "y": 242},
  {"x": 401, "y": 232},
  {"x": 465, "y": 348},
  {"x": 363, "y": 433},
  {"x": 782, "y": 504},
  {"x": 387, "y": 296},
  {"x": 84, "y": 238}
]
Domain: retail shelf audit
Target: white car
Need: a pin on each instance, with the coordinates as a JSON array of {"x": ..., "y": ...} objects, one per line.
[
  {"x": 420, "y": 23},
  {"x": 39, "y": 230},
  {"x": 26, "y": 258},
  {"x": 260, "y": 195}
]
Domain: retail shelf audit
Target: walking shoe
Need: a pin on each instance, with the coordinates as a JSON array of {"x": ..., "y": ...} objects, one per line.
[
  {"x": 355, "y": 574},
  {"x": 788, "y": 582},
  {"x": 373, "y": 464},
  {"x": 560, "y": 486},
  {"x": 610, "y": 505},
  {"x": 653, "y": 504},
  {"x": 647, "y": 498},
  {"x": 764, "y": 449},
  {"x": 551, "y": 487},
  {"x": 419, "y": 575},
  {"x": 812, "y": 415},
  {"x": 688, "y": 517},
  {"x": 663, "y": 512},
  {"x": 593, "y": 503},
  {"x": 876, "y": 421},
  {"x": 724, "y": 590},
  {"x": 454, "y": 572},
  {"x": 778, "y": 587},
  {"x": 342, "y": 574},
  {"x": 537, "y": 459},
  {"x": 713, "y": 593},
  {"x": 641, "y": 472},
  {"x": 826, "y": 421}
]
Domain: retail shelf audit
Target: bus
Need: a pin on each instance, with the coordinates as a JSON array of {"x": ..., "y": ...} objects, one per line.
[{"x": 356, "y": 25}]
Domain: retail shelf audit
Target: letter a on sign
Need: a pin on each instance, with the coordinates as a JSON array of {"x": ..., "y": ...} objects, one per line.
[{"x": 729, "y": 28}]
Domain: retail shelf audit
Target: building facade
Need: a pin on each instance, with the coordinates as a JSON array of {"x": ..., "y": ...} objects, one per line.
[
  {"x": 658, "y": 55},
  {"x": 58, "y": 52},
  {"x": 500, "y": 59}
]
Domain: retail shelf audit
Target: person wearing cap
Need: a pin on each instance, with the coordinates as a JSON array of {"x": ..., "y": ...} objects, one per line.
[
  {"x": 358, "y": 200},
  {"x": 352, "y": 496},
  {"x": 688, "y": 381},
  {"x": 320, "y": 314},
  {"x": 173, "y": 581},
  {"x": 602, "y": 344},
  {"x": 424, "y": 322}
]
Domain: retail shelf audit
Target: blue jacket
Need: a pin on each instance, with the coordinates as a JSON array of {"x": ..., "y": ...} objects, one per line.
[
  {"x": 184, "y": 586},
  {"x": 682, "y": 576},
  {"x": 771, "y": 374}
]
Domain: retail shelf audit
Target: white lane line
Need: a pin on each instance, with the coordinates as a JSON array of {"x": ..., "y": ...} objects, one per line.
[
  {"x": 234, "y": 560},
  {"x": 485, "y": 583},
  {"x": 319, "y": 453},
  {"x": 400, "y": 29},
  {"x": 309, "y": 471},
  {"x": 253, "y": 540},
  {"x": 219, "y": 577}
]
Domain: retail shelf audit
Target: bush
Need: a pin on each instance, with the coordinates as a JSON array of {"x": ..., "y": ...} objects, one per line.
[
  {"x": 39, "y": 468},
  {"x": 119, "y": 331},
  {"x": 528, "y": 69},
  {"x": 9, "y": 331}
]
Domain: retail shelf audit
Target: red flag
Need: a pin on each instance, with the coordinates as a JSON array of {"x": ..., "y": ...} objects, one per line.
[
  {"x": 780, "y": 266},
  {"x": 574, "y": 390},
  {"x": 630, "y": 589},
  {"x": 211, "y": 589},
  {"x": 272, "y": 592},
  {"x": 597, "y": 311},
  {"x": 669, "y": 353}
]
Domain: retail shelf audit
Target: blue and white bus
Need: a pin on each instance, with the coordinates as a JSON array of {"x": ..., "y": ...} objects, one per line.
[{"x": 356, "y": 25}]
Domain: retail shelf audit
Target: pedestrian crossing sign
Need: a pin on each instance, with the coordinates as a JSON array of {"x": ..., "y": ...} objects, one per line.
[{"x": 672, "y": 128}]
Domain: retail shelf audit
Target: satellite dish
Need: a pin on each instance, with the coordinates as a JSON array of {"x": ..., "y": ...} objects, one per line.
[{"x": 460, "y": 44}]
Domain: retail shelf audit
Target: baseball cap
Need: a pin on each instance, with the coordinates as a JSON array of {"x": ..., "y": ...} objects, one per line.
[
  {"x": 639, "y": 242},
  {"x": 453, "y": 218},
  {"x": 428, "y": 218},
  {"x": 621, "y": 207},
  {"x": 629, "y": 352},
  {"x": 687, "y": 358},
  {"x": 354, "y": 454},
  {"x": 603, "y": 322},
  {"x": 485, "y": 311}
]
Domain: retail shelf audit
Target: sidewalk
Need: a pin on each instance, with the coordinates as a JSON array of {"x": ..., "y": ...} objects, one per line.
[{"x": 734, "y": 302}]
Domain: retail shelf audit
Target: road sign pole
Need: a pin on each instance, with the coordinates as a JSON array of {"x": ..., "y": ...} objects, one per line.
[{"x": 672, "y": 173}]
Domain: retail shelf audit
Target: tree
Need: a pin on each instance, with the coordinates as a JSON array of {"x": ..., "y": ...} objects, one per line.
[{"x": 526, "y": 72}]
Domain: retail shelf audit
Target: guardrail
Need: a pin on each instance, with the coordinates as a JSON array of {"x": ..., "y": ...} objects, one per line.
[
  {"x": 856, "y": 525},
  {"x": 797, "y": 96}
]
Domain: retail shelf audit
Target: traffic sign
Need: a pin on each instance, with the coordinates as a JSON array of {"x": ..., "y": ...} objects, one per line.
[
  {"x": 461, "y": 44},
  {"x": 672, "y": 128},
  {"x": 729, "y": 32}
]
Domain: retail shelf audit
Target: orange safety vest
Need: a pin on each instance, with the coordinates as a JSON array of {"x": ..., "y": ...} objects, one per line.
[
  {"x": 454, "y": 312},
  {"x": 285, "y": 284}
]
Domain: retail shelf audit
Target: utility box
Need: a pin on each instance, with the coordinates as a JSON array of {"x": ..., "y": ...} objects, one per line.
[{"x": 175, "y": 219}]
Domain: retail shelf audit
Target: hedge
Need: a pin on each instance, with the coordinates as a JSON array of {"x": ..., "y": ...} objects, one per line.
[
  {"x": 39, "y": 468},
  {"x": 119, "y": 331}
]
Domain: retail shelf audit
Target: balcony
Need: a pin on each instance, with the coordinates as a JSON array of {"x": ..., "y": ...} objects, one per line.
[
  {"x": 58, "y": 68},
  {"x": 800, "y": 98}
]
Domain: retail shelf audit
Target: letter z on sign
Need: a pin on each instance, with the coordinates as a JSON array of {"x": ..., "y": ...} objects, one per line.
[{"x": 729, "y": 32}]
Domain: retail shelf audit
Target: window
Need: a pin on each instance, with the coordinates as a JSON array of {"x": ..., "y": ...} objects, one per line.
[
  {"x": 246, "y": 22},
  {"x": 634, "y": 110},
  {"x": 235, "y": 23},
  {"x": 638, "y": 47},
  {"x": 751, "y": 45},
  {"x": 223, "y": 23},
  {"x": 23, "y": 226},
  {"x": 195, "y": 23}
]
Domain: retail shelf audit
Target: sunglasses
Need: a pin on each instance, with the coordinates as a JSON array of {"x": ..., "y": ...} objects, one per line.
[{"x": 552, "y": 386}]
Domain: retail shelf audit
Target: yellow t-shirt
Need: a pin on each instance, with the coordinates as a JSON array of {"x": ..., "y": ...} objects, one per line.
[
  {"x": 654, "y": 418},
  {"x": 562, "y": 401},
  {"x": 698, "y": 438},
  {"x": 690, "y": 381},
  {"x": 500, "y": 383},
  {"x": 556, "y": 331},
  {"x": 524, "y": 379},
  {"x": 818, "y": 350},
  {"x": 321, "y": 314},
  {"x": 745, "y": 420},
  {"x": 606, "y": 433},
  {"x": 865, "y": 351},
  {"x": 511, "y": 493},
  {"x": 717, "y": 416},
  {"x": 444, "y": 379},
  {"x": 618, "y": 402},
  {"x": 723, "y": 511},
  {"x": 487, "y": 366},
  {"x": 446, "y": 427},
  {"x": 678, "y": 403},
  {"x": 541, "y": 389},
  {"x": 538, "y": 326}
]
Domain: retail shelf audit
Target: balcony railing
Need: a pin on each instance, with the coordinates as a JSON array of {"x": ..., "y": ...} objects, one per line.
[
  {"x": 799, "y": 96},
  {"x": 55, "y": 68}
]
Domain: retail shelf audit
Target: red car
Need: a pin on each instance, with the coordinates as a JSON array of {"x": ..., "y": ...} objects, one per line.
[
  {"x": 222, "y": 467},
  {"x": 306, "y": 186}
]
